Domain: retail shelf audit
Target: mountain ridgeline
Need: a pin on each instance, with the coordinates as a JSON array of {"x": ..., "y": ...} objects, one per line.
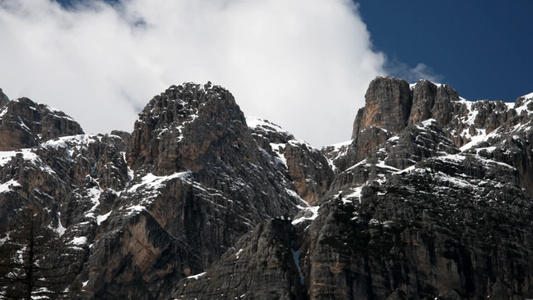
[{"x": 430, "y": 199}]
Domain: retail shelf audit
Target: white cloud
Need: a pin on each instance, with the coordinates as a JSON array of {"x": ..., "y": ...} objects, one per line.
[
  {"x": 420, "y": 71},
  {"x": 304, "y": 64}
]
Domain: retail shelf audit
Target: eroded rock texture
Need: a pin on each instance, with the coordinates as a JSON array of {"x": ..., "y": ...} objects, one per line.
[
  {"x": 261, "y": 265},
  {"x": 4, "y": 100},
  {"x": 431, "y": 199},
  {"x": 201, "y": 181},
  {"x": 25, "y": 124},
  {"x": 413, "y": 210}
]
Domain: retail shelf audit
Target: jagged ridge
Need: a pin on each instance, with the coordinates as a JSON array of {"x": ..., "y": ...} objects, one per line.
[{"x": 430, "y": 199}]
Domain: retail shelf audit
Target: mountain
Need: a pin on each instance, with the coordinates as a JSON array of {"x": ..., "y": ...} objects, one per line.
[
  {"x": 431, "y": 198},
  {"x": 25, "y": 124}
]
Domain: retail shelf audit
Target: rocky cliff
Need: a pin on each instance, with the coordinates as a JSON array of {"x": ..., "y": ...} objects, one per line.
[
  {"x": 3, "y": 98},
  {"x": 25, "y": 124},
  {"x": 431, "y": 199}
]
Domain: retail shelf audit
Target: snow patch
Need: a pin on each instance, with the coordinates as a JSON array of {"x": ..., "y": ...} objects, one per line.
[
  {"x": 280, "y": 157},
  {"x": 413, "y": 85},
  {"x": 132, "y": 210},
  {"x": 55, "y": 111},
  {"x": 27, "y": 155},
  {"x": 102, "y": 218},
  {"x": 455, "y": 181},
  {"x": 8, "y": 186},
  {"x": 382, "y": 164},
  {"x": 355, "y": 195},
  {"x": 94, "y": 194},
  {"x": 74, "y": 141},
  {"x": 3, "y": 112},
  {"x": 474, "y": 140},
  {"x": 488, "y": 149},
  {"x": 238, "y": 253},
  {"x": 394, "y": 138},
  {"x": 60, "y": 229},
  {"x": 429, "y": 122},
  {"x": 296, "y": 196},
  {"x": 336, "y": 151},
  {"x": 338, "y": 146},
  {"x": 153, "y": 182},
  {"x": 197, "y": 276},
  {"x": 130, "y": 171},
  {"x": 453, "y": 157},
  {"x": 524, "y": 107},
  {"x": 79, "y": 240},
  {"x": 254, "y": 122},
  {"x": 308, "y": 214},
  {"x": 528, "y": 96}
]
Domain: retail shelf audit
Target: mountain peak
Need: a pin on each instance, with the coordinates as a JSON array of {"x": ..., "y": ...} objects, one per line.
[
  {"x": 24, "y": 124},
  {"x": 3, "y": 98},
  {"x": 177, "y": 128}
]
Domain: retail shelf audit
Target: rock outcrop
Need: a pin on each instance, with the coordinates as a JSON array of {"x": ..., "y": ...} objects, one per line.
[
  {"x": 4, "y": 100},
  {"x": 261, "y": 265},
  {"x": 306, "y": 167},
  {"x": 181, "y": 129},
  {"x": 423, "y": 232},
  {"x": 387, "y": 106},
  {"x": 200, "y": 182},
  {"x": 431, "y": 199},
  {"x": 420, "y": 207},
  {"x": 25, "y": 124},
  {"x": 392, "y": 104}
]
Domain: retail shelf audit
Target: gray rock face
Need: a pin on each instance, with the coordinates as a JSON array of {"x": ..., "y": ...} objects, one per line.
[
  {"x": 432, "y": 199},
  {"x": 387, "y": 106},
  {"x": 391, "y": 105},
  {"x": 125, "y": 136},
  {"x": 421, "y": 232},
  {"x": 261, "y": 265},
  {"x": 25, "y": 124},
  {"x": 201, "y": 181},
  {"x": 413, "y": 212},
  {"x": 309, "y": 171},
  {"x": 306, "y": 167},
  {"x": 414, "y": 144},
  {"x": 181, "y": 129},
  {"x": 458, "y": 192},
  {"x": 4, "y": 100},
  {"x": 61, "y": 178}
]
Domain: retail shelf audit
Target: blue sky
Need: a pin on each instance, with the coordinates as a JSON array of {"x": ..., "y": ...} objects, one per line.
[
  {"x": 302, "y": 64},
  {"x": 483, "y": 48}
]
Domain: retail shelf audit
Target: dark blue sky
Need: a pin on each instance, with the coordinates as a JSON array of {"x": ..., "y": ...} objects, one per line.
[{"x": 484, "y": 49}]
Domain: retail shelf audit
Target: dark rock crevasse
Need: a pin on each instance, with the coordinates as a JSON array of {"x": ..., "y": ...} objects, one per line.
[{"x": 261, "y": 265}]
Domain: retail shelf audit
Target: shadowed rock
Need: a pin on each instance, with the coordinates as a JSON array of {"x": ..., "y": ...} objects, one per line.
[{"x": 3, "y": 98}]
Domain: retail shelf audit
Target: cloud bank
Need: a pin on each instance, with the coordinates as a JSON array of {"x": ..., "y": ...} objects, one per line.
[{"x": 303, "y": 64}]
